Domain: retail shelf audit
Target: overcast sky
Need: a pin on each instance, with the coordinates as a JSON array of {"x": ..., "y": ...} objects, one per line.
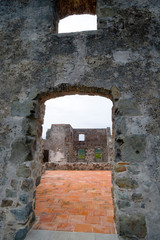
[
  {"x": 77, "y": 110},
  {"x": 76, "y": 23}
]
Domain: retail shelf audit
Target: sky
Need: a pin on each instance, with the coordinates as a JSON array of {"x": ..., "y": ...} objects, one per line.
[
  {"x": 76, "y": 23},
  {"x": 80, "y": 111}
]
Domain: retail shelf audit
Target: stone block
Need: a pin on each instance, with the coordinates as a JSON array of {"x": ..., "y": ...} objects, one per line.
[
  {"x": 14, "y": 184},
  {"x": 107, "y": 12},
  {"x": 26, "y": 108},
  {"x": 126, "y": 182},
  {"x": 132, "y": 226},
  {"x": 10, "y": 193},
  {"x": 133, "y": 169},
  {"x": 133, "y": 148},
  {"x": 142, "y": 205},
  {"x": 21, "y": 234},
  {"x": 120, "y": 125},
  {"x": 123, "y": 204},
  {"x": 6, "y": 203},
  {"x": 137, "y": 197},
  {"x": 24, "y": 198},
  {"x": 22, "y": 214},
  {"x": 119, "y": 168},
  {"x": 23, "y": 171},
  {"x": 27, "y": 185},
  {"x": 127, "y": 107},
  {"x": 122, "y": 195},
  {"x": 20, "y": 151}
]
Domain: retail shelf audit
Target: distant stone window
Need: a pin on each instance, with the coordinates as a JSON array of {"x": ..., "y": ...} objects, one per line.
[
  {"x": 81, "y": 153},
  {"x": 81, "y": 137},
  {"x": 98, "y": 153}
]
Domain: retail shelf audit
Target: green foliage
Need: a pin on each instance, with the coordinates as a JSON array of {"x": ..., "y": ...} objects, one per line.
[
  {"x": 98, "y": 155},
  {"x": 81, "y": 156}
]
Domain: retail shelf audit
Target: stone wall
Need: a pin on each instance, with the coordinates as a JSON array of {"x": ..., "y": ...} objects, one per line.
[
  {"x": 59, "y": 142},
  {"x": 95, "y": 139},
  {"x": 64, "y": 144},
  {"x": 119, "y": 61}
]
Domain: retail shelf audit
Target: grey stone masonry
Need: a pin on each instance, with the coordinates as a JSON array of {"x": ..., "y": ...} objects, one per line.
[
  {"x": 66, "y": 144},
  {"x": 119, "y": 61}
]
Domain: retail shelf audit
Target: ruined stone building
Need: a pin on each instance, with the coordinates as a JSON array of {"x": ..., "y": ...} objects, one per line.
[
  {"x": 65, "y": 144},
  {"x": 119, "y": 61}
]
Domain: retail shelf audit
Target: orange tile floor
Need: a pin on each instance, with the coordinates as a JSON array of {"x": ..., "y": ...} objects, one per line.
[{"x": 75, "y": 201}]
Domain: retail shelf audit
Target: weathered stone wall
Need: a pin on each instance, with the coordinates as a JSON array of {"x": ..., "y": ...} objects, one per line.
[
  {"x": 120, "y": 61},
  {"x": 94, "y": 139},
  {"x": 63, "y": 144},
  {"x": 59, "y": 142},
  {"x": 78, "y": 166}
]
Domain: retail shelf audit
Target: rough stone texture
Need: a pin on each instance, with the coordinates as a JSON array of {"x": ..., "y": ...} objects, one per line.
[
  {"x": 27, "y": 185},
  {"x": 10, "y": 193},
  {"x": 63, "y": 144},
  {"x": 22, "y": 214},
  {"x": 119, "y": 61},
  {"x": 137, "y": 196},
  {"x": 24, "y": 198},
  {"x": 126, "y": 183},
  {"x": 23, "y": 171},
  {"x": 133, "y": 226},
  {"x": 59, "y": 143},
  {"x": 78, "y": 166},
  {"x": 119, "y": 168},
  {"x": 6, "y": 203},
  {"x": 21, "y": 234}
]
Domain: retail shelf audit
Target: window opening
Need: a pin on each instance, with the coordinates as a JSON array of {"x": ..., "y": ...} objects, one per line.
[
  {"x": 76, "y": 23},
  {"x": 81, "y": 153},
  {"x": 98, "y": 153},
  {"x": 81, "y": 137}
]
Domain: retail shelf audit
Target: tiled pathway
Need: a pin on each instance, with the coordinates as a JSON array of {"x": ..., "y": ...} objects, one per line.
[{"x": 75, "y": 201}]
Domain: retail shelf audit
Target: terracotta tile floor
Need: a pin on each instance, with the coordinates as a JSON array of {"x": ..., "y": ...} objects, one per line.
[{"x": 75, "y": 201}]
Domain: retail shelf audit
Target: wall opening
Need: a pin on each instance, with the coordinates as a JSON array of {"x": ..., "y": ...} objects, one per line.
[
  {"x": 70, "y": 7},
  {"x": 81, "y": 153},
  {"x": 80, "y": 111},
  {"x": 68, "y": 218},
  {"x": 74, "y": 16},
  {"x": 81, "y": 137},
  {"x": 76, "y": 23},
  {"x": 98, "y": 153}
]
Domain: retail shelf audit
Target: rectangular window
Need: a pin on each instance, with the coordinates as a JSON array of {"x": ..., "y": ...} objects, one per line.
[
  {"x": 81, "y": 137},
  {"x": 98, "y": 153},
  {"x": 81, "y": 153}
]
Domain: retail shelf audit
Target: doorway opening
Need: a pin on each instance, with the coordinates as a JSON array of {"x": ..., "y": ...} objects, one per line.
[{"x": 81, "y": 200}]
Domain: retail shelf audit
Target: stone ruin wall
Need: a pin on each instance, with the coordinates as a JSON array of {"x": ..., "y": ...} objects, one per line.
[
  {"x": 94, "y": 139},
  {"x": 59, "y": 143},
  {"x": 120, "y": 61},
  {"x": 63, "y": 146}
]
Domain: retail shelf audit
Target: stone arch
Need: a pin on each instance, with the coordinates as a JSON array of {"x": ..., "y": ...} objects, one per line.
[
  {"x": 26, "y": 156},
  {"x": 123, "y": 54}
]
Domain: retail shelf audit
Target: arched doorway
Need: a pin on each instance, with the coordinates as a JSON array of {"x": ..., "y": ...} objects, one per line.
[{"x": 39, "y": 225}]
